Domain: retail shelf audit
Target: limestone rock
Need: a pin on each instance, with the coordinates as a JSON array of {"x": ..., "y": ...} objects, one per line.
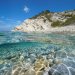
[{"x": 43, "y": 22}]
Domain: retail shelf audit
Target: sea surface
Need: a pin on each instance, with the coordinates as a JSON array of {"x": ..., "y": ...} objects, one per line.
[{"x": 37, "y": 53}]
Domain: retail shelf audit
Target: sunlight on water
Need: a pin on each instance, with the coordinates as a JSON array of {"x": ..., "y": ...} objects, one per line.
[{"x": 37, "y": 54}]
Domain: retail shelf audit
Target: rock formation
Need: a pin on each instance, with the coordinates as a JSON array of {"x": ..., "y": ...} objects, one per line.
[{"x": 48, "y": 21}]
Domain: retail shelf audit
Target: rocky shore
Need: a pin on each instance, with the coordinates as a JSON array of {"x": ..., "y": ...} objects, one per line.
[
  {"x": 49, "y": 22},
  {"x": 55, "y": 62},
  {"x": 37, "y": 54}
]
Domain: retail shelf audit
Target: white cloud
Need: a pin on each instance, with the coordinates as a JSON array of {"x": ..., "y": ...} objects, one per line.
[{"x": 26, "y": 9}]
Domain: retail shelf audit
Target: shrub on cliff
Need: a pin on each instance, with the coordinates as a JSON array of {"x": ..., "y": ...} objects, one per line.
[
  {"x": 56, "y": 24},
  {"x": 70, "y": 21}
]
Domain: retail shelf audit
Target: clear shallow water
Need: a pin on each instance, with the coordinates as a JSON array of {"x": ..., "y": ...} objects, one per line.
[{"x": 17, "y": 49}]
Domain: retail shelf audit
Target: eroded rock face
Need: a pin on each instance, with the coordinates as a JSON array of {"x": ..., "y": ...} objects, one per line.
[
  {"x": 33, "y": 25},
  {"x": 43, "y": 22}
]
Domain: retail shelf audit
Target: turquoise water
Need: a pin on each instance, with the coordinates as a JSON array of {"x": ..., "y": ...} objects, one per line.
[{"x": 13, "y": 45}]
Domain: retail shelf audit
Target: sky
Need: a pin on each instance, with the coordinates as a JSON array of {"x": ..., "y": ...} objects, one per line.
[{"x": 14, "y": 12}]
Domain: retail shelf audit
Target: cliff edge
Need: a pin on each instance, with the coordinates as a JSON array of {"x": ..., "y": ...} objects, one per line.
[{"x": 47, "y": 21}]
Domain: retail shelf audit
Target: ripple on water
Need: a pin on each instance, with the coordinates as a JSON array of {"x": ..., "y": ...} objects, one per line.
[{"x": 50, "y": 56}]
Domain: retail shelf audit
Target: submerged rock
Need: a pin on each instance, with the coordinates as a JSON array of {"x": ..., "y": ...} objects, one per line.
[
  {"x": 72, "y": 71},
  {"x": 39, "y": 73},
  {"x": 62, "y": 69}
]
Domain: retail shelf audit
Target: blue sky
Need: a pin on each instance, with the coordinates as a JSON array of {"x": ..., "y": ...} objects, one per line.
[{"x": 14, "y": 12}]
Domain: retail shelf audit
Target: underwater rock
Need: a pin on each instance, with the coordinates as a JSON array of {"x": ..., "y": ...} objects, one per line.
[
  {"x": 50, "y": 71},
  {"x": 62, "y": 69},
  {"x": 5, "y": 69},
  {"x": 33, "y": 57},
  {"x": 27, "y": 65},
  {"x": 1, "y": 61},
  {"x": 57, "y": 61},
  {"x": 72, "y": 70},
  {"x": 21, "y": 58},
  {"x": 16, "y": 71},
  {"x": 47, "y": 71},
  {"x": 30, "y": 71},
  {"x": 10, "y": 57},
  {"x": 50, "y": 62},
  {"x": 44, "y": 59},
  {"x": 50, "y": 56},
  {"x": 40, "y": 64},
  {"x": 56, "y": 73},
  {"x": 23, "y": 68},
  {"x": 69, "y": 63},
  {"x": 39, "y": 73},
  {"x": 61, "y": 54},
  {"x": 72, "y": 54}
]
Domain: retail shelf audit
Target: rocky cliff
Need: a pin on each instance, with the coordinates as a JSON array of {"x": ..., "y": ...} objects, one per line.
[{"x": 47, "y": 21}]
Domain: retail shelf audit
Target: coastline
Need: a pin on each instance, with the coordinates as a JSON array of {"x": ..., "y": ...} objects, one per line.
[{"x": 65, "y": 29}]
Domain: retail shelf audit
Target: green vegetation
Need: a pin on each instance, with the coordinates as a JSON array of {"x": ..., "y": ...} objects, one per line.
[
  {"x": 41, "y": 14},
  {"x": 69, "y": 21},
  {"x": 68, "y": 15},
  {"x": 56, "y": 24},
  {"x": 46, "y": 13},
  {"x": 48, "y": 17}
]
